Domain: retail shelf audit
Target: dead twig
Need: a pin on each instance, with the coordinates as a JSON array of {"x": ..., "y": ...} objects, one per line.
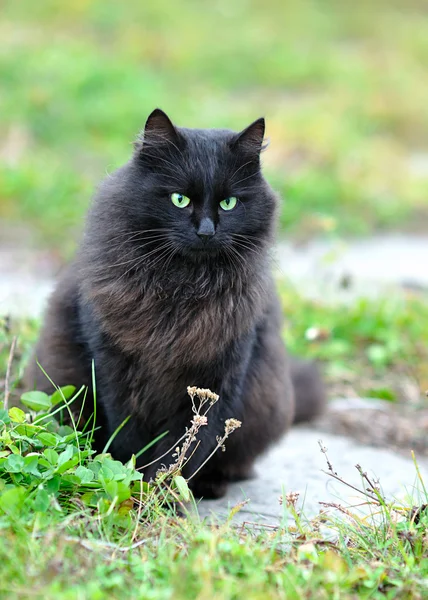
[
  {"x": 332, "y": 473},
  {"x": 8, "y": 371},
  {"x": 366, "y": 478}
]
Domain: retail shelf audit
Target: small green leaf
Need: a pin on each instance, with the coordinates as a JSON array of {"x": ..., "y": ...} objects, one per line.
[
  {"x": 89, "y": 498},
  {"x": 182, "y": 487},
  {"x": 117, "y": 489},
  {"x": 14, "y": 463},
  {"x": 4, "y": 416},
  {"x": 66, "y": 430},
  {"x": 85, "y": 475},
  {"x": 30, "y": 431},
  {"x": 64, "y": 393},
  {"x": 140, "y": 488},
  {"x": 48, "y": 439},
  {"x": 31, "y": 462},
  {"x": 65, "y": 455},
  {"x": 68, "y": 464},
  {"x": 106, "y": 473},
  {"x": 41, "y": 501},
  {"x": 51, "y": 456},
  {"x": 110, "y": 488},
  {"x": 52, "y": 485},
  {"x": 382, "y": 393},
  {"x": 378, "y": 354},
  {"x": 36, "y": 400},
  {"x": 12, "y": 500},
  {"x": 123, "y": 492},
  {"x": 17, "y": 415},
  {"x": 95, "y": 467},
  {"x": 69, "y": 478}
]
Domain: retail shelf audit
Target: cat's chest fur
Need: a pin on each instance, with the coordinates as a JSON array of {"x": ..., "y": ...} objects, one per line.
[{"x": 173, "y": 322}]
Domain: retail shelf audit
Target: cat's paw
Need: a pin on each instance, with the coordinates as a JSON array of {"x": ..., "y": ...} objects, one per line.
[{"x": 209, "y": 489}]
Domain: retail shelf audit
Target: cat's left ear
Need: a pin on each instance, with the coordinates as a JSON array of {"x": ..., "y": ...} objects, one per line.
[
  {"x": 159, "y": 131},
  {"x": 250, "y": 140}
]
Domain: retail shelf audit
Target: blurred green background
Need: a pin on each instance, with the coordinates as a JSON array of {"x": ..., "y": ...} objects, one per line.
[{"x": 343, "y": 85}]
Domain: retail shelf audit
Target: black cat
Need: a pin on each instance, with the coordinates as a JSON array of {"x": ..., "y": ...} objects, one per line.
[{"x": 172, "y": 287}]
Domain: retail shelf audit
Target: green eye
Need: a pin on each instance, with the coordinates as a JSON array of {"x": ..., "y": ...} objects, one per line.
[
  {"x": 180, "y": 200},
  {"x": 229, "y": 203}
]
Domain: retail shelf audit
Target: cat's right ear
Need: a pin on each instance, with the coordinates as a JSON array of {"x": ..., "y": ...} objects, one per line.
[
  {"x": 250, "y": 140},
  {"x": 159, "y": 131}
]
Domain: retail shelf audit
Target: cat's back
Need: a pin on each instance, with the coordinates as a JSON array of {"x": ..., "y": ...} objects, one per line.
[{"x": 60, "y": 350}]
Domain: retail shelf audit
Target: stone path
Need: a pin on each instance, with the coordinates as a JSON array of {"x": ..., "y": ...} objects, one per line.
[
  {"x": 320, "y": 270},
  {"x": 297, "y": 464},
  {"x": 26, "y": 280},
  {"x": 339, "y": 271}
]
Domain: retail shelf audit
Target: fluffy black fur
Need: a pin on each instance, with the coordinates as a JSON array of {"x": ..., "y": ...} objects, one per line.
[{"x": 163, "y": 297}]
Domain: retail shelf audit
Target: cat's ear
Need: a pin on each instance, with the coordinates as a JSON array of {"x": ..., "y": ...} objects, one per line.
[
  {"x": 250, "y": 140},
  {"x": 159, "y": 125},
  {"x": 158, "y": 131}
]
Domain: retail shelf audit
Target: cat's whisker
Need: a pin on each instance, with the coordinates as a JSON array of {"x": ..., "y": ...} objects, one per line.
[
  {"x": 125, "y": 232},
  {"x": 164, "y": 254},
  {"x": 236, "y": 260},
  {"x": 239, "y": 258},
  {"x": 230, "y": 258},
  {"x": 239, "y": 169},
  {"x": 136, "y": 238},
  {"x": 168, "y": 140},
  {"x": 141, "y": 241},
  {"x": 243, "y": 239},
  {"x": 248, "y": 248},
  {"x": 247, "y": 244},
  {"x": 136, "y": 259},
  {"x": 138, "y": 248},
  {"x": 245, "y": 178},
  {"x": 247, "y": 236},
  {"x": 157, "y": 249},
  {"x": 140, "y": 260},
  {"x": 161, "y": 159},
  {"x": 177, "y": 148},
  {"x": 163, "y": 138},
  {"x": 149, "y": 239},
  {"x": 177, "y": 249},
  {"x": 277, "y": 264}
]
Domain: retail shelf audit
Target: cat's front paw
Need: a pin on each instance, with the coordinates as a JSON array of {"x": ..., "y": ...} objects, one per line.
[{"x": 209, "y": 489}]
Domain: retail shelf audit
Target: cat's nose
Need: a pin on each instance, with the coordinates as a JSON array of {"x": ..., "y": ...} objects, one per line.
[{"x": 206, "y": 229}]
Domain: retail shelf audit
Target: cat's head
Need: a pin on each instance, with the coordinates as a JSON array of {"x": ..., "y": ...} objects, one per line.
[{"x": 197, "y": 193}]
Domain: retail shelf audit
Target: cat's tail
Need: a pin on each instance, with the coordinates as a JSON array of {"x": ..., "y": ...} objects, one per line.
[{"x": 309, "y": 390}]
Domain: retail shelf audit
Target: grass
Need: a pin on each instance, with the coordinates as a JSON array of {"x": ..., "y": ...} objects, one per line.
[
  {"x": 342, "y": 85},
  {"x": 372, "y": 345},
  {"x": 78, "y": 526}
]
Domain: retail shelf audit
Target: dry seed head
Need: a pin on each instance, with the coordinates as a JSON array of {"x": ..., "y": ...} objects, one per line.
[
  {"x": 199, "y": 420},
  {"x": 230, "y": 425},
  {"x": 290, "y": 499},
  {"x": 203, "y": 394}
]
